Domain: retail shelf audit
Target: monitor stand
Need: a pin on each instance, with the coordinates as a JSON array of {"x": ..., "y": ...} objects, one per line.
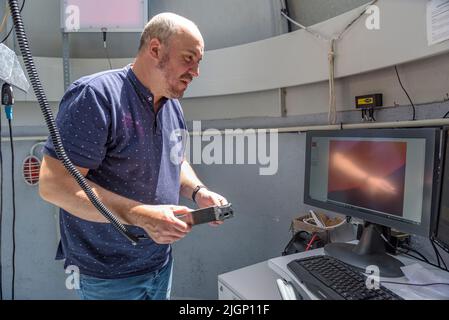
[{"x": 369, "y": 251}]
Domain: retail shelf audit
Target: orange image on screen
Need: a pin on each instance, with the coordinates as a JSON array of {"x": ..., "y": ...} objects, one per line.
[{"x": 368, "y": 174}]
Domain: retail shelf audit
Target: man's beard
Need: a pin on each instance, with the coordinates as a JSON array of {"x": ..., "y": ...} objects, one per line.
[{"x": 172, "y": 92}]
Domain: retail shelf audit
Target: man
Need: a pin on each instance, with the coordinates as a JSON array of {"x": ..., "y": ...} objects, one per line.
[{"x": 117, "y": 127}]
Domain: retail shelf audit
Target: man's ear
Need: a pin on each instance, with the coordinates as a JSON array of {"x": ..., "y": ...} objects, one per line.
[{"x": 154, "y": 48}]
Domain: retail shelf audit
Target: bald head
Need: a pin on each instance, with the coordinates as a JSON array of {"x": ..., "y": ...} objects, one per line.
[{"x": 164, "y": 25}]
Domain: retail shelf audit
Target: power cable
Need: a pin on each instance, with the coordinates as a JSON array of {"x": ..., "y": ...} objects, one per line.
[
  {"x": 402, "y": 86},
  {"x": 12, "y": 27}
]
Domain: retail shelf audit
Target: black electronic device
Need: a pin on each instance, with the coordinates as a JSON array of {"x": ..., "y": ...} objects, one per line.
[
  {"x": 7, "y": 95},
  {"x": 209, "y": 214},
  {"x": 330, "y": 279},
  {"x": 368, "y": 101},
  {"x": 367, "y": 104},
  {"x": 386, "y": 177}
]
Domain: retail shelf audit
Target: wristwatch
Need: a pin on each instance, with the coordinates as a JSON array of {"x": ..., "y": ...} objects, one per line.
[{"x": 195, "y": 191}]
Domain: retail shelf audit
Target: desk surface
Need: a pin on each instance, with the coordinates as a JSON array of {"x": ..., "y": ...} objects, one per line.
[
  {"x": 279, "y": 265},
  {"x": 258, "y": 281},
  {"x": 255, "y": 282}
]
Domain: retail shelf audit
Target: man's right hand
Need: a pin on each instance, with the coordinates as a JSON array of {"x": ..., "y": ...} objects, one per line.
[{"x": 161, "y": 223}]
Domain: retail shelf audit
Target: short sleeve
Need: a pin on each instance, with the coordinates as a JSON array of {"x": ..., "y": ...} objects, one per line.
[{"x": 83, "y": 121}]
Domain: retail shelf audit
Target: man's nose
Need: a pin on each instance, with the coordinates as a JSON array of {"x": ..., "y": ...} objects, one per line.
[{"x": 195, "y": 70}]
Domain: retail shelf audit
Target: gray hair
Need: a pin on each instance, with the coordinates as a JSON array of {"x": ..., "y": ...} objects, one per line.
[{"x": 163, "y": 26}]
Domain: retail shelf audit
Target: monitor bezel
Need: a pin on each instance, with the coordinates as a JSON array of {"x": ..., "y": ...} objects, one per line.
[
  {"x": 432, "y": 137},
  {"x": 444, "y": 164}
]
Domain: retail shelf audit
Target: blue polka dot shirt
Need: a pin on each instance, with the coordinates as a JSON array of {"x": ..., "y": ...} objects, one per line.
[{"x": 108, "y": 125}]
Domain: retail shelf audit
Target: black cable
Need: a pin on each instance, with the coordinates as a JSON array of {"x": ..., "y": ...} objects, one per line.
[
  {"x": 415, "y": 251},
  {"x": 417, "y": 258},
  {"x": 390, "y": 245},
  {"x": 411, "y": 102},
  {"x": 426, "y": 261},
  {"x": 401, "y": 251},
  {"x": 436, "y": 253},
  {"x": 441, "y": 247},
  {"x": 1, "y": 210},
  {"x": 447, "y": 113},
  {"x": 442, "y": 260},
  {"x": 53, "y": 129},
  {"x": 105, "y": 46},
  {"x": 13, "y": 212},
  {"x": 445, "y": 100},
  {"x": 7, "y": 36},
  {"x": 12, "y": 28},
  {"x": 423, "y": 258},
  {"x": 410, "y": 255},
  {"x": 372, "y": 114}
]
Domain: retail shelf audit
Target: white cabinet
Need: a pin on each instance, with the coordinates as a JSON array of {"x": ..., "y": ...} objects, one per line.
[{"x": 255, "y": 282}]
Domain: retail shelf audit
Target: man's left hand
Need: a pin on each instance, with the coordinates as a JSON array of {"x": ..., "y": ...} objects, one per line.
[{"x": 206, "y": 198}]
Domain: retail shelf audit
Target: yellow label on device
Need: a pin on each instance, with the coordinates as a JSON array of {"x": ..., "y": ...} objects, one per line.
[{"x": 365, "y": 101}]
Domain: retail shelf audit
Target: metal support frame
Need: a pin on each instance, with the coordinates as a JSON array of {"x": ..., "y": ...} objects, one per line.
[{"x": 66, "y": 59}]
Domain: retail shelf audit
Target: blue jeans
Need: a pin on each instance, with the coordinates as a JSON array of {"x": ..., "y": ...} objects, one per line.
[{"x": 151, "y": 286}]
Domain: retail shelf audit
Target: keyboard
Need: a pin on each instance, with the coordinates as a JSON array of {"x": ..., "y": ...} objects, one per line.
[{"x": 331, "y": 279}]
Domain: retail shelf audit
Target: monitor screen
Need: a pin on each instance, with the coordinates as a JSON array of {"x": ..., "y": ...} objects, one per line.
[
  {"x": 360, "y": 175},
  {"x": 113, "y": 15},
  {"x": 382, "y": 176}
]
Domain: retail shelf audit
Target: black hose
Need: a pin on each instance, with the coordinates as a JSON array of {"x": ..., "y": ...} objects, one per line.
[
  {"x": 53, "y": 130},
  {"x": 1, "y": 210},
  {"x": 13, "y": 279}
]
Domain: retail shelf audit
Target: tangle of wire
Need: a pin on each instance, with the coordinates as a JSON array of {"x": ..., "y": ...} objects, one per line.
[
  {"x": 332, "y": 116},
  {"x": 421, "y": 256}
]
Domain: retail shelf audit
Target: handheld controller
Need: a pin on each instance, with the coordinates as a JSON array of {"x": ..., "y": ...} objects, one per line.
[{"x": 209, "y": 214}]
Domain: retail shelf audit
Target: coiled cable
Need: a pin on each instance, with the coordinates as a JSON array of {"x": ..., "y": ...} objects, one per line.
[{"x": 52, "y": 128}]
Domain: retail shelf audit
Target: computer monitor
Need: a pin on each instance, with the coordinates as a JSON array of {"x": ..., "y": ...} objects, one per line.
[
  {"x": 441, "y": 227},
  {"x": 384, "y": 176}
]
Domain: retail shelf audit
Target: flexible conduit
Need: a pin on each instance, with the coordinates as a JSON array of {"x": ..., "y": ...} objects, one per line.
[{"x": 53, "y": 130}]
